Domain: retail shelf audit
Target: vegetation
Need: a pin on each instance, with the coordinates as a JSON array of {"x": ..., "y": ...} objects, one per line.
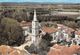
[
  {"x": 42, "y": 15},
  {"x": 43, "y": 47},
  {"x": 27, "y": 14},
  {"x": 10, "y": 32}
]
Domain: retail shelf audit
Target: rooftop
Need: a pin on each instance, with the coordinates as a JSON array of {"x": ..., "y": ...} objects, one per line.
[
  {"x": 64, "y": 50},
  {"x": 49, "y": 29},
  {"x": 4, "y": 50},
  {"x": 24, "y": 23}
]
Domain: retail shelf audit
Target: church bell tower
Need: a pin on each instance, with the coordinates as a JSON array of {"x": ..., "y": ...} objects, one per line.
[{"x": 35, "y": 27}]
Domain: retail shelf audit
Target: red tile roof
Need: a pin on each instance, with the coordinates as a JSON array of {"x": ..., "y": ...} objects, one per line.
[
  {"x": 64, "y": 50},
  {"x": 49, "y": 29},
  {"x": 63, "y": 27},
  {"x": 7, "y": 50}
]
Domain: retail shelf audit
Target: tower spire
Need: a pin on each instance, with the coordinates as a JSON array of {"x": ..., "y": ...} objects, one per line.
[
  {"x": 35, "y": 18},
  {"x": 35, "y": 27}
]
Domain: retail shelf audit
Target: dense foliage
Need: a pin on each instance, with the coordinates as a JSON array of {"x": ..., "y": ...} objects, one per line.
[{"x": 10, "y": 32}]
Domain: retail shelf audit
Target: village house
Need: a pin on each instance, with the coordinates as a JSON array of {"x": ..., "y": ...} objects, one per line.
[{"x": 77, "y": 37}]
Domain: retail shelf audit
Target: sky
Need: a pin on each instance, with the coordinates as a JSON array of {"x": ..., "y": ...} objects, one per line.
[{"x": 58, "y": 1}]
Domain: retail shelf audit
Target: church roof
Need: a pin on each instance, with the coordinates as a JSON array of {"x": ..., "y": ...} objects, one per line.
[
  {"x": 24, "y": 23},
  {"x": 49, "y": 29},
  {"x": 67, "y": 29},
  {"x": 35, "y": 16}
]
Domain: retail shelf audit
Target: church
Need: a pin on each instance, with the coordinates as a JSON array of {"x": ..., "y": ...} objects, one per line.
[
  {"x": 35, "y": 27},
  {"x": 31, "y": 28}
]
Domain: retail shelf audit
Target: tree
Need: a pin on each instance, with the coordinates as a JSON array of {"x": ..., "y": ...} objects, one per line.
[
  {"x": 47, "y": 37},
  {"x": 11, "y": 32}
]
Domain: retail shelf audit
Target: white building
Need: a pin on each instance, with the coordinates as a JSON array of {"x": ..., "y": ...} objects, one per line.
[
  {"x": 35, "y": 27},
  {"x": 77, "y": 37}
]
